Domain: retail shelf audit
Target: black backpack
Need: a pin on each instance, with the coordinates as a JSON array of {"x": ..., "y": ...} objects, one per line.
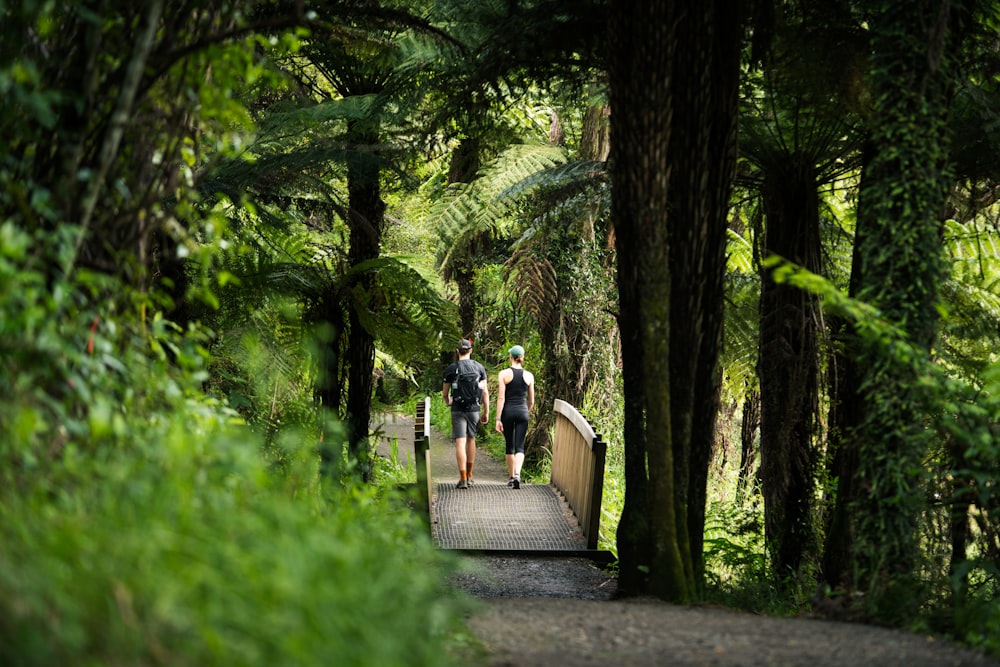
[{"x": 465, "y": 391}]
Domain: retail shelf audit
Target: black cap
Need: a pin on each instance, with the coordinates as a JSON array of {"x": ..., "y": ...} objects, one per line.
[{"x": 465, "y": 344}]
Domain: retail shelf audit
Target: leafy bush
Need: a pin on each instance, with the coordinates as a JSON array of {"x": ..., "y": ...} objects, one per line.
[
  {"x": 194, "y": 560},
  {"x": 736, "y": 569},
  {"x": 140, "y": 523}
]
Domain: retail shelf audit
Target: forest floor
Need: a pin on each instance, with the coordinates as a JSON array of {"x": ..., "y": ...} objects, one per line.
[
  {"x": 558, "y": 611},
  {"x": 553, "y": 610}
]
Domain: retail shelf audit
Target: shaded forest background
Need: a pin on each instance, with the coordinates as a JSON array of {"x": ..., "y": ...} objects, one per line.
[{"x": 758, "y": 248}]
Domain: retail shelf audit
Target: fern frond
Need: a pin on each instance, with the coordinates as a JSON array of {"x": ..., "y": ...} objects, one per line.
[
  {"x": 280, "y": 126},
  {"x": 535, "y": 286},
  {"x": 742, "y": 331},
  {"x": 972, "y": 295},
  {"x": 975, "y": 253},
  {"x": 739, "y": 254},
  {"x": 519, "y": 164},
  {"x": 403, "y": 310},
  {"x": 469, "y": 211}
]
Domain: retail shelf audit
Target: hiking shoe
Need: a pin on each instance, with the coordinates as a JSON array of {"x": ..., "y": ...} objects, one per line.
[
  {"x": 462, "y": 484},
  {"x": 469, "y": 480},
  {"x": 516, "y": 482},
  {"x": 510, "y": 483}
]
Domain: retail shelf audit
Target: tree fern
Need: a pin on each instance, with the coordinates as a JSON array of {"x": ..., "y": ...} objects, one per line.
[
  {"x": 971, "y": 296},
  {"x": 534, "y": 284},
  {"x": 483, "y": 207}
]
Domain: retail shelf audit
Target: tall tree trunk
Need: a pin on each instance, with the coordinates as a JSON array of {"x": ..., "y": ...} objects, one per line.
[
  {"x": 641, "y": 47},
  {"x": 748, "y": 436},
  {"x": 843, "y": 417},
  {"x": 365, "y": 219},
  {"x": 902, "y": 267},
  {"x": 702, "y": 158},
  {"x": 962, "y": 490},
  {"x": 463, "y": 168},
  {"x": 789, "y": 366},
  {"x": 673, "y": 76}
]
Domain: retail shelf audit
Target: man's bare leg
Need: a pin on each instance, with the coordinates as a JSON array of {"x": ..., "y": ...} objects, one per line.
[
  {"x": 461, "y": 458},
  {"x": 470, "y": 456}
]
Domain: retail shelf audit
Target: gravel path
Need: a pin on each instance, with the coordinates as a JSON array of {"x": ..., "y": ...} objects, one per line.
[
  {"x": 554, "y": 611},
  {"x": 560, "y": 611}
]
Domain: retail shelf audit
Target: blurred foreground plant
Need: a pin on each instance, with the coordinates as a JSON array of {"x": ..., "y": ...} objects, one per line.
[{"x": 141, "y": 524}]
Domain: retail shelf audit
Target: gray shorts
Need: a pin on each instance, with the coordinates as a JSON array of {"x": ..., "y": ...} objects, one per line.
[{"x": 464, "y": 424}]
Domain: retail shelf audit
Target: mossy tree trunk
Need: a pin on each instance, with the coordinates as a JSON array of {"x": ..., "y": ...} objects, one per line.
[
  {"x": 702, "y": 165},
  {"x": 642, "y": 41},
  {"x": 673, "y": 75},
  {"x": 899, "y": 215}
]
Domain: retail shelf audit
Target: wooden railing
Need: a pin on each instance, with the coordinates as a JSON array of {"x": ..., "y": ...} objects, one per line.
[
  {"x": 422, "y": 454},
  {"x": 578, "y": 467},
  {"x": 578, "y": 454}
]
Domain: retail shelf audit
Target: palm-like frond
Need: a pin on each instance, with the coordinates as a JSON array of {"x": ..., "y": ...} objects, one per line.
[
  {"x": 472, "y": 210},
  {"x": 742, "y": 332},
  {"x": 970, "y": 327},
  {"x": 287, "y": 124},
  {"x": 403, "y": 310},
  {"x": 535, "y": 286}
]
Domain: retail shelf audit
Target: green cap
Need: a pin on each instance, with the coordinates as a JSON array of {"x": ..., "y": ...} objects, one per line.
[{"x": 516, "y": 351}]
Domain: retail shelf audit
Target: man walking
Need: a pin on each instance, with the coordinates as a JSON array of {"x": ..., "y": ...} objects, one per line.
[{"x": 465, "y": 390}]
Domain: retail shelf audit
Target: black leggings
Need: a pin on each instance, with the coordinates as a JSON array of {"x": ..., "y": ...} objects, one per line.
[{"x": 515, "y": 428}]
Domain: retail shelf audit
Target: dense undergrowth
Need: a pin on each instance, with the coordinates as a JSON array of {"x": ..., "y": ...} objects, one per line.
[
  {"x": 737, "y": 572},
  {"x": 142, "y": 523}
]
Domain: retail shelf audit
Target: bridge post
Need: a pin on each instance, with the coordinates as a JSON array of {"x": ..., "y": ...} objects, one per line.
[
  {"x": 578, "y": 455},
  {"x": 599, "y": 450},
  {"x": 421, "y": 455}
]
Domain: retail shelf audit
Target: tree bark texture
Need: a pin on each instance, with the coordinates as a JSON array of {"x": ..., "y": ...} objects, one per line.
[
  {"x": 641, "y": 46},
  {"x": 595, "y": 142},
  {"x": 673, "y": 75},
  {"x": 789, "y": 365},
  {"x": 702, "y": 157},
  {"x": 748, "y": 438},
  {"x": 366, "y": 220}
]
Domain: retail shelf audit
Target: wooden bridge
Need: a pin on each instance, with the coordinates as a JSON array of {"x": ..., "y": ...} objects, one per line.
[{"x": 561, "y": 517}]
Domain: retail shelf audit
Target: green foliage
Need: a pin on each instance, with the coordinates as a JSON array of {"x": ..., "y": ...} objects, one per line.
[
  {"x": 966, "y": 413},
  {"x": 487, "y": 204},
  {"x": 969, "y": 416},
  {"x": 977, "y": 619},
  {"x": 736, "y": 566},
  {"x": 140, "y": 522},
  {"x": 739, "y": 355},
  {"x": 197, "y": 562}
]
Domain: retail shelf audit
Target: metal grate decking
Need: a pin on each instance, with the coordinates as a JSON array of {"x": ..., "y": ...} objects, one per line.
[{"x": 490, "y": 516}]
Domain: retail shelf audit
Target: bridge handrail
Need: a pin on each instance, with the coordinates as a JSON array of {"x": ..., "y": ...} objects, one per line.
[
  {"x": 578, "y": 455},
  {"x": 421, "y": 453}
]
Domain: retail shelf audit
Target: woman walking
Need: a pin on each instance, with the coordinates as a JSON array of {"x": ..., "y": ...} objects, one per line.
[{"x": 515, "y": 398}]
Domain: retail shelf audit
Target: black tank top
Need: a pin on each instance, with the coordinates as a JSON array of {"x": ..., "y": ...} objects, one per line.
[{"x": 517, "y": 389}]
